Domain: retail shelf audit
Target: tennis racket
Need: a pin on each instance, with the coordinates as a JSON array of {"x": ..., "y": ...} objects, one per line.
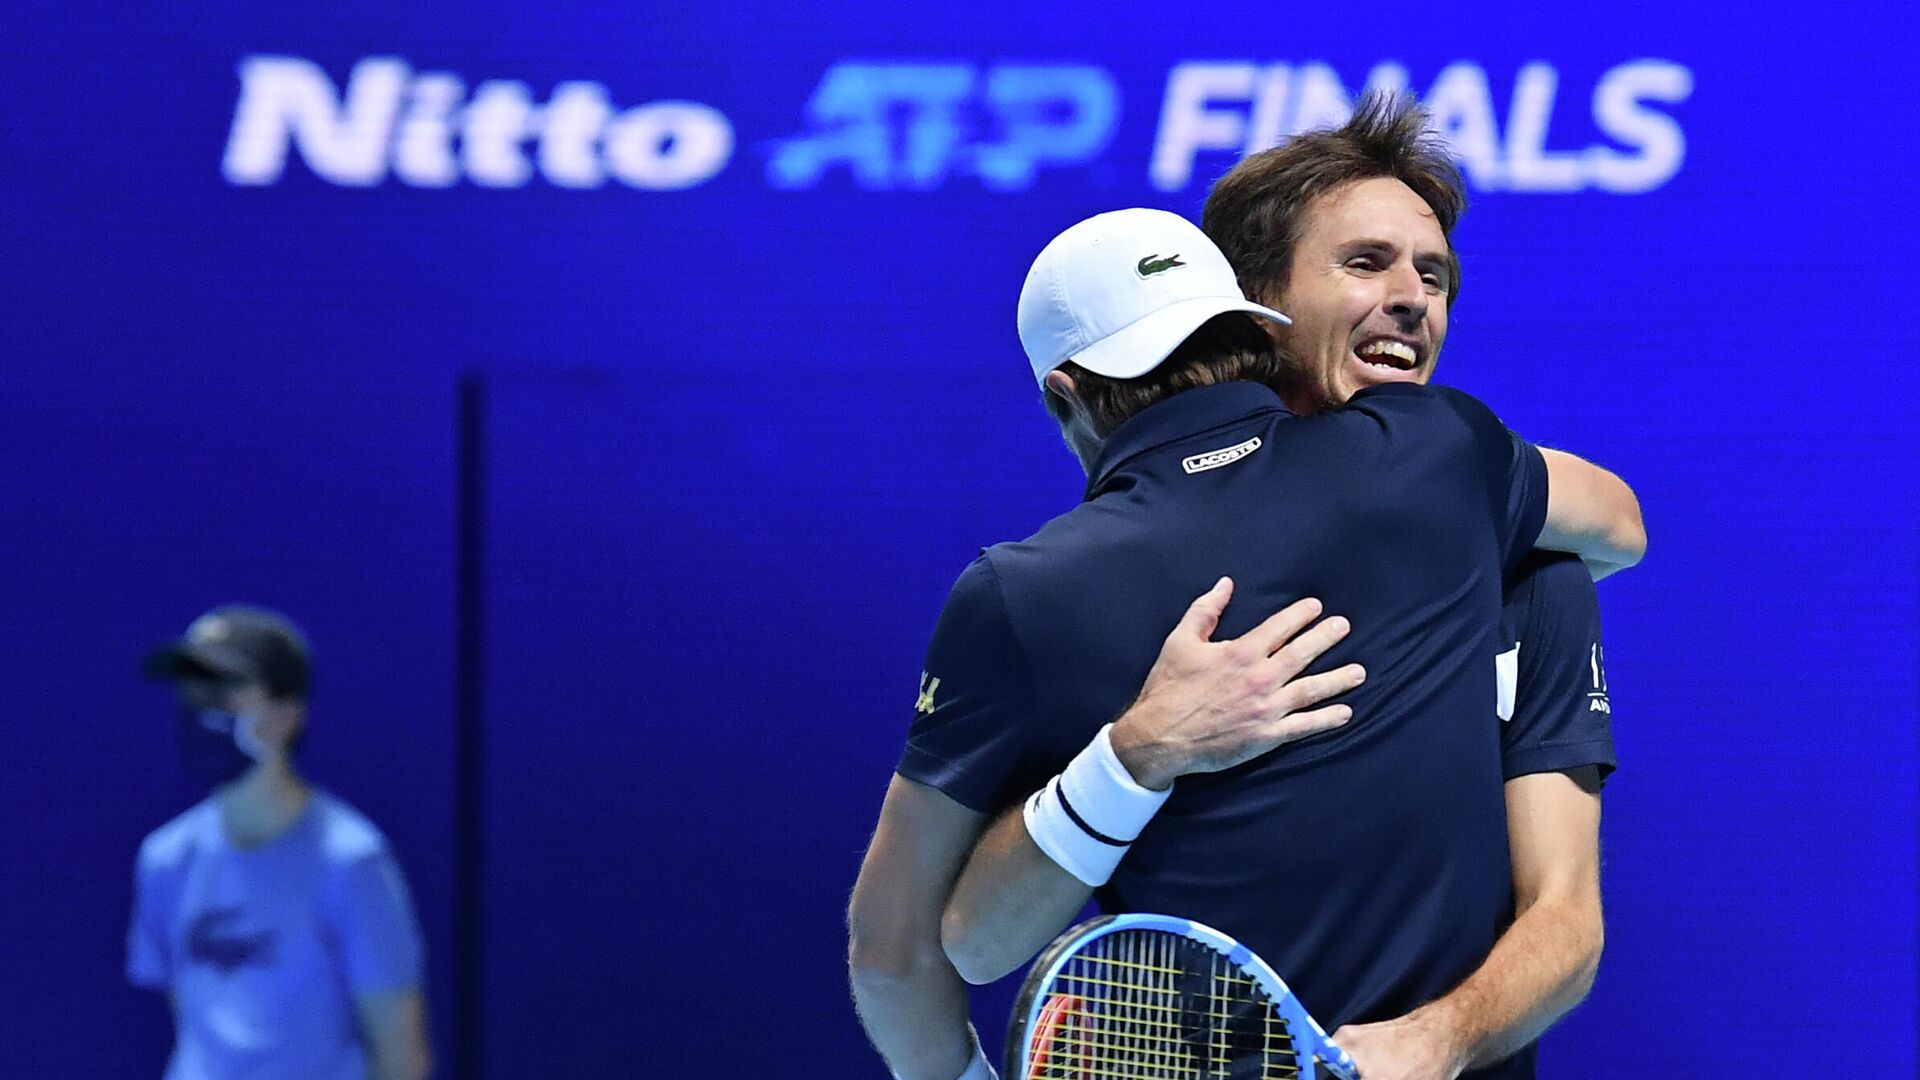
[{"x": 1152, "y": 996}]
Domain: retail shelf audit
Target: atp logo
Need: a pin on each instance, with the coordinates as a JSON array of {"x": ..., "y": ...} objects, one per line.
[
  {"x": 929, "y": 686},
  {"x": 1597, "y": 697},
  {"x": 914, "y": 126}
]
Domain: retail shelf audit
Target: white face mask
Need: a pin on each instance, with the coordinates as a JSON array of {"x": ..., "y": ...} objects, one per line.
[{"x": 217, "y": 746}]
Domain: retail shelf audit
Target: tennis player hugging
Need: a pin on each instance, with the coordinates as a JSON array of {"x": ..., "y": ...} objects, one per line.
[{"x": 1372, "y": 748}]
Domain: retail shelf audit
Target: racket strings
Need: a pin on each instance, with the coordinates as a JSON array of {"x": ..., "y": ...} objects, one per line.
[
  {"x": 1231, "y": 976},
  {"x": 1156, "y": 1006}
]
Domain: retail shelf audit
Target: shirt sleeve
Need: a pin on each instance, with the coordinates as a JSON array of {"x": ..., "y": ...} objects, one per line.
[
  {"x": 972, "y": 736},
  {"x": 374, "y": 926},
  {"x": 1561, "y": 717},
  {"x": 149, "y": 960},
  {"x": 1526, "y": 503},
  {"x": 1516, "y": 472}
]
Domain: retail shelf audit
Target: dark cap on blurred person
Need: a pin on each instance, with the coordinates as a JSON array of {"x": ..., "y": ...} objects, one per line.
[{"x": 239, "y": 643}]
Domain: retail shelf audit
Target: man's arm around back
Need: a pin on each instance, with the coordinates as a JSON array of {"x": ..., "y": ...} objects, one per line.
[
  {"x": 1591, "y": 513},
  {"x": 1206, "y": 706}
]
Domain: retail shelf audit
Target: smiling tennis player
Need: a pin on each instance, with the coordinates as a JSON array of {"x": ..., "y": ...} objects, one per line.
[{"x": 1224, "y": 792}]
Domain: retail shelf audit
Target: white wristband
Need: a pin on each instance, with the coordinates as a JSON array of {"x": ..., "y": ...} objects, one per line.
[{"x": 1087, "y": 817}]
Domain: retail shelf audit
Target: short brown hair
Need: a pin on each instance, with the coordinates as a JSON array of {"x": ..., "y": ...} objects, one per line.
[
  {"x": 1225, "y": 348},
  {"x": 1255, "y": 212}
]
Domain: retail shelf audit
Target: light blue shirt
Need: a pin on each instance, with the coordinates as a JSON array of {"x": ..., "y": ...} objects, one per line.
[{"x": 264, "y": 948}]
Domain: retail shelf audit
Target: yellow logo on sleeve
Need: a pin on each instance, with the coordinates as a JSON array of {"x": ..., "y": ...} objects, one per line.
[{"x": 928, "y": 687}]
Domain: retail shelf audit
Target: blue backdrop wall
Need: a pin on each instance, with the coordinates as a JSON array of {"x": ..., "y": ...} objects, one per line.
[{"x": 739, "y": 286}]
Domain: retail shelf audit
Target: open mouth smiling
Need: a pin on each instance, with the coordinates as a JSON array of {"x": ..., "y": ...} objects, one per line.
[{"x": 1385, "y": 355}]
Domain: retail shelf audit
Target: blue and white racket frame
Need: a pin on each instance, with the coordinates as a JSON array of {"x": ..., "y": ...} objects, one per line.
[{"x": 1319, "y": 1057}]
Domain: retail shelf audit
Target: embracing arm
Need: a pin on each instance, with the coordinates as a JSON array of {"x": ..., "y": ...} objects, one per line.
[
  {"x": 1539, "y": 969},
  {"x": 911, "y": 1002},
  {"x": 1206, "y": 706},
  {"x": 1591, "y": 513},
  {"x": 1010, "y": 901}
]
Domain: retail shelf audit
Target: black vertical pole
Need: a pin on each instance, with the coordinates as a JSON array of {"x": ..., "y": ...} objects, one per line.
[{"x": 469, "y": 769}]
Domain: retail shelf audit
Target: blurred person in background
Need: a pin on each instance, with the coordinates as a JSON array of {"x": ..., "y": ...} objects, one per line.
[{"x": 274, "y": 915}]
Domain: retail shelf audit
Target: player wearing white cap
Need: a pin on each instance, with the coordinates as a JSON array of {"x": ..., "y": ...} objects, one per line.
[{"x": 1402, "y": 511}]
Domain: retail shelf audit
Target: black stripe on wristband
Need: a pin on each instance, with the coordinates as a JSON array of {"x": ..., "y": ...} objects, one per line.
[{"x": 1061, "y": 790}]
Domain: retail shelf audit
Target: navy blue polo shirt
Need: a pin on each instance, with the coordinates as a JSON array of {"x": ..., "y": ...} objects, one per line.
[
  {"x": 1368, "y": 864},
  {"x": 1562, "y": 717},
  {"x": 1559, "y": 717}
]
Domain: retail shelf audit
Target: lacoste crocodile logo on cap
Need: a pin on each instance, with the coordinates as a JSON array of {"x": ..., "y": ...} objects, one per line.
[{"x": 1154, "y": 264}]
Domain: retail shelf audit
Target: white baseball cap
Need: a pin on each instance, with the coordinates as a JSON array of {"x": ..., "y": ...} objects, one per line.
[{"x": 1121, "y": 290}]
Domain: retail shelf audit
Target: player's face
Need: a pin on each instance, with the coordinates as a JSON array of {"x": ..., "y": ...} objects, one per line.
[{"x": 1367, "y": 293}]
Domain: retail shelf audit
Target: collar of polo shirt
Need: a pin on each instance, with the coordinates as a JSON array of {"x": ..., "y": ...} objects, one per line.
[{"x": 1182, "y": 416}]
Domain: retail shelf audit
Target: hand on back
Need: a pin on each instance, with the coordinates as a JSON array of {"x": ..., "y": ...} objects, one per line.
[{"x": 1210, "y": 705}]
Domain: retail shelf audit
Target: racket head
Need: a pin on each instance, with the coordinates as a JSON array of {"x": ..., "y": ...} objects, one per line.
[{"x": 1050, "y": 1036}]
